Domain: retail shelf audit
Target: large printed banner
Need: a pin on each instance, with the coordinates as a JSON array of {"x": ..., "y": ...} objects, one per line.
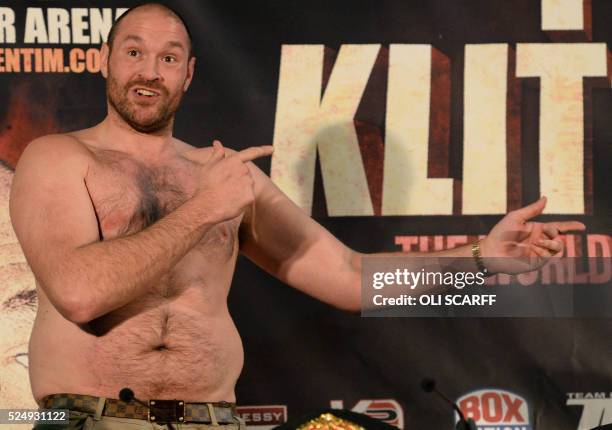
[{"x": 399, "y": 125}]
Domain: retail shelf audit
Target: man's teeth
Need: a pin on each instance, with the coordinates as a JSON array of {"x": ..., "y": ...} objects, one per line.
[{"x": 143, "y": 92}]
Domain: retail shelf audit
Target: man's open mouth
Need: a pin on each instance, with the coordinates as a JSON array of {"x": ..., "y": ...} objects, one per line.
[{"x": 146, "y": 92}]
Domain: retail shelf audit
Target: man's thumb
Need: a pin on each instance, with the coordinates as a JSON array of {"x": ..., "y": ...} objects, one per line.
[{"x": 532, "y": 210}]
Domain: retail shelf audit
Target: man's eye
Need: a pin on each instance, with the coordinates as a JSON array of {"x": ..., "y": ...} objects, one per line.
[
  {"x": 133, "y": 53},
  {"x": 169, "y": 59}
]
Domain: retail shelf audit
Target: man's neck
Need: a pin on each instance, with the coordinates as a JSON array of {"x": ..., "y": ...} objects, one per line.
[{"x": 122, "y": 137}]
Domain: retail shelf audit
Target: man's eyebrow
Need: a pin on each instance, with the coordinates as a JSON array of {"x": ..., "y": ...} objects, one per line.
[
  {"x": 132, "y": 37},
  {"x": 170, "y": 44},
  {"x": 26, "y": 297},
  {"x": 175, "y": 44}
]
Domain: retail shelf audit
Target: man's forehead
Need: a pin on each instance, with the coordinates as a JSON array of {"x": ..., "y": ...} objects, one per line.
[{"x": 153, "y": 24}]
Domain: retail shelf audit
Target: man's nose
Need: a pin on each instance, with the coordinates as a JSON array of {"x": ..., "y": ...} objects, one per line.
[{"x": 150, "y": 69}]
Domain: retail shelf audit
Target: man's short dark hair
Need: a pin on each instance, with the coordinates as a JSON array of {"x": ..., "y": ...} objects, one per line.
[{"x": 113, "y": 31}]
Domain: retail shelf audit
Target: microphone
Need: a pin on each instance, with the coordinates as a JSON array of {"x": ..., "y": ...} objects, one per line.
[
  {"x": 429, "y": 386},
  {"x": 127, "y": 395}
]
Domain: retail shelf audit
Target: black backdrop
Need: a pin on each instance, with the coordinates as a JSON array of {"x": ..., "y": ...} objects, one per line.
[{"x": 299, "y": 352}]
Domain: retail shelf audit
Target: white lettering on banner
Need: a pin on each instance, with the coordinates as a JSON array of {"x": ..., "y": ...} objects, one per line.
[
  {"x": 406, "y": 188},
  {"x": 562, "y": 14},
  {"x": 263, "y": 417},
  {"x": 79, "y": 25},
  {"x": 7, "y": 25},
  {"x": 305, "y": 123},
  {"x": 57, "y": 25},
  {"x": 68, "y": 26},
  {"x": 300, "y": 129},
  {"x": 257, "y": 417},
  {"x": 35, "y": 29},
  {"x": 561, "y": 68},
  {"x": 595, "y": 411},
  {"x": 484, "y": 132}
]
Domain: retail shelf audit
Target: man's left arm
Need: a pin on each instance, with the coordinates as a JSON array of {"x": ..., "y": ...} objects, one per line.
[{"x": 283, "y": 240}]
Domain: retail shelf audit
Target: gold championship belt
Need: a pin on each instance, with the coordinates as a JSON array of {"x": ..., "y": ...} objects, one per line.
[
  {"x": 335, "y": 419},
  {"x": 329, "y": 422}
]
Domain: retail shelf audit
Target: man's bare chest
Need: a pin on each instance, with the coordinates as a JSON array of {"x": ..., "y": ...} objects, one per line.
[{"x": 128, "y": 196}]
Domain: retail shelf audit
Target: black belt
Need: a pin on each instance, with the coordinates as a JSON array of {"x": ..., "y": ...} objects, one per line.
[{"x": 163, "y": 411}]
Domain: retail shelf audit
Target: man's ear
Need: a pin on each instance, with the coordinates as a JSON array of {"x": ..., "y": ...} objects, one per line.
[
  {"x": 104, "y": 60},
  {"x": 190, "y": 70}
]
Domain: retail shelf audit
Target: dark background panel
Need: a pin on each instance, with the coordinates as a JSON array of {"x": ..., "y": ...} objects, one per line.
[{"x": 300, "y": 352}]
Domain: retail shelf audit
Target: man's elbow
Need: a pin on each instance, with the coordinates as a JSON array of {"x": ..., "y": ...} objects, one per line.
[
  {"x": 76, "y": 310},
  {"x": 80, "y": 315},
  {"x": 74, "y": 305}
]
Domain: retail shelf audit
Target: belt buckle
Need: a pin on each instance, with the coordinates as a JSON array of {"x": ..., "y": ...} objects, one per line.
[{"x": 166, "y": 411}]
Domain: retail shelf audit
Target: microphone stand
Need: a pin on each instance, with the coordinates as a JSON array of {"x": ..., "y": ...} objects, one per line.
[{"x": 429, "y": 385}]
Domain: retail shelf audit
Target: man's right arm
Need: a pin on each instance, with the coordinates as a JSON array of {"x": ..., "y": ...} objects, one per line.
[{"x": 56, "y": 224}]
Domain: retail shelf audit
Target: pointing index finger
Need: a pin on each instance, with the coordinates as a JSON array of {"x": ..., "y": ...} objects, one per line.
[
  {"x": 565, "y": 226},
  {"x": 254, "y": 152}
]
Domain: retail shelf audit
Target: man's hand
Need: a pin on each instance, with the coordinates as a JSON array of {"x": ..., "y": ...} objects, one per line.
[
  {"x": 225, "y": 184},
  {"x": 517, "y": 245}
]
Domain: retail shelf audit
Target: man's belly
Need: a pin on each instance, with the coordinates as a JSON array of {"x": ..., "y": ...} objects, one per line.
[{"x": 175, "y": 348}]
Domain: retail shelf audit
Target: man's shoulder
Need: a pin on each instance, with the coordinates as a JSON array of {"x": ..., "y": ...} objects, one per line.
[
  {"x": 61, "y": 150},
  {"x": 183, "y": 147},
  {"x": 62, "y": 143}
]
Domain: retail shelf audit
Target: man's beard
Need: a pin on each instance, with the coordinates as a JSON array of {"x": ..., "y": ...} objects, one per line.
[{"x": 159, "y": 120}]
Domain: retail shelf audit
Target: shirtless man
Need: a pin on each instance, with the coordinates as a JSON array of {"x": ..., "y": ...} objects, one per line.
[{"x": 133, "y": 237}]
